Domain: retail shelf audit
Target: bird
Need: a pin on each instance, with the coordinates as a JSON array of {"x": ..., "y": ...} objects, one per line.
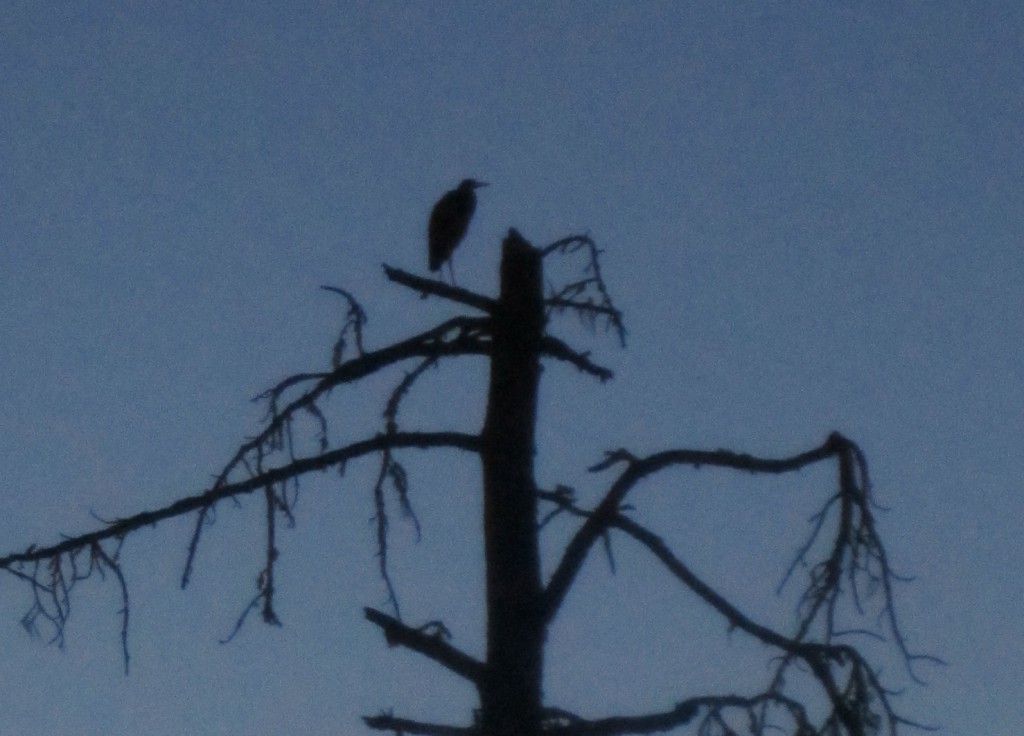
[{"x": 448, "y": 223}]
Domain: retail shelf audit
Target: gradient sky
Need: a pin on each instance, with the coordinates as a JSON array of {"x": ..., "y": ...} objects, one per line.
[{"x": 812, "y": 216}]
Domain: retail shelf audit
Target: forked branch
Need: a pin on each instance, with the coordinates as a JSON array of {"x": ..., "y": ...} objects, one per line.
[{"x": 637, "y": 469}]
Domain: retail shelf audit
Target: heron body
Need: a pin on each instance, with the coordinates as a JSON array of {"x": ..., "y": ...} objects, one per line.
[{"x": 449, "y": 221}]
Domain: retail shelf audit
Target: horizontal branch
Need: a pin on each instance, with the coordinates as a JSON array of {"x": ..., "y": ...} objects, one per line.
[
  {"x": 642, "y": 467},
  {"x": 441, "y": 289},
  {"x": 122, "y": 527},
  {"x": 638, "y": 469},
  {"x": 385, "y": 722},
  {"x": 679, "y": 715},
  {"x": 397, "y": 633}
]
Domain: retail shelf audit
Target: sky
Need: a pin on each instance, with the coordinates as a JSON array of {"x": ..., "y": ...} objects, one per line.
[{"x": 811, "y": 216}]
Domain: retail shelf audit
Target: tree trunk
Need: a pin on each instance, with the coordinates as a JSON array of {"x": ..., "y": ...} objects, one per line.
[{"x": 510, "y": 696}]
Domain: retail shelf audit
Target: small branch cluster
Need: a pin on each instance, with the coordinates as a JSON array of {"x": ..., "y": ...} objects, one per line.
[
  {"x": 52, "y": 579},
  {"x": 588, "y": 296}
]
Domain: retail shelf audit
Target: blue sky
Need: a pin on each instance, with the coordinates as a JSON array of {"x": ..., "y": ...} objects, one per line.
[{"x": 812, "y": 218}]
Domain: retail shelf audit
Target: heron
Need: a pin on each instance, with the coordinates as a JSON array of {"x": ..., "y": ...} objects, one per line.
[{"x": 448, "y": 222}]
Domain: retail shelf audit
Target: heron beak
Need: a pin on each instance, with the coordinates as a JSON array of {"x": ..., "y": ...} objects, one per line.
[{"x": 479, "y": 184}]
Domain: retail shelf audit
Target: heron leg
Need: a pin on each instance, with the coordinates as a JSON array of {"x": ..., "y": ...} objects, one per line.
[{"x": 451, "y": 269}]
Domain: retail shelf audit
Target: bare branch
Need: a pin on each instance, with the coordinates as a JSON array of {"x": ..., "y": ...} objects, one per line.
[
  {"x": 435, "y": 647},
  {"x": 205, "y": 500},
  {"x": 555, "y": 348},
  {"x": 710, "y": 596},
  {"x": 736, "y": 618},
  {"x": 387, "y": 722},
  {"x": 58, "y": 562},
  {"x": 441, "y": 289},
  {"x": 561, "y": 303},
  {"x": 561, "y": 723}
]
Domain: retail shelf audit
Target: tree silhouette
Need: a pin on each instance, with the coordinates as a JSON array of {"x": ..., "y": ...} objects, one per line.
[{"x": 511, "y": 332}]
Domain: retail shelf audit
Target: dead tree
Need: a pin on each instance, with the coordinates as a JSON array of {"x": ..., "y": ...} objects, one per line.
[{"x": 512, "y": 332}]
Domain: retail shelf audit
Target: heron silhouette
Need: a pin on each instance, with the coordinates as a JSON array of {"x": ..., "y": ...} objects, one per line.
[{"x": 448, "y": 223}]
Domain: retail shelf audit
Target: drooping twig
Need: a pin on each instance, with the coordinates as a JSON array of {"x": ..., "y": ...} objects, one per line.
[
  {"x": 111, "y": 563},
  {"x": 355, "y": 320}
]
